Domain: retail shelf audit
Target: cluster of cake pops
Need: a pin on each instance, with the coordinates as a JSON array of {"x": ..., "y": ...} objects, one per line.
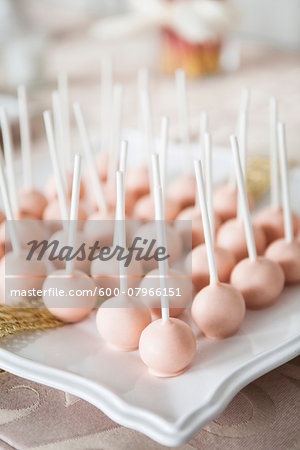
[{"x": 234, "y": 263}]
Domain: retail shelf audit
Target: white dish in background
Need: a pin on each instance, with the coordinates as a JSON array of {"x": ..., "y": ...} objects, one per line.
[{"x": 75, "y": 359}]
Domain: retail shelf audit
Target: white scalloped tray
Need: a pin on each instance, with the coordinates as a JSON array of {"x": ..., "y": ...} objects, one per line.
[{"x": 75, "y": 359}]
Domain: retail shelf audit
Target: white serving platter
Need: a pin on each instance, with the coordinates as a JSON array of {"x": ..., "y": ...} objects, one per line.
[{"x": 75, "y": 359}]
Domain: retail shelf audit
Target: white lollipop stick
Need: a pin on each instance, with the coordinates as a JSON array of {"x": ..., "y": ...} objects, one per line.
[
  {"x": 122, "y": 168},
  {"x": 59, "y": 134},
  {"x": 86, "y": 145},
  {"x": 105, "y": 101},
  {"x": 287, "y": 211},
  {"x": 25, "y": 137},
  {"x": 9, "y": 160},
  {"x": 208, "y": 183},
  {"x": 203, "y": 130},
  {"x": 243, "y": 199},
  {"x": 213, "y": 274},
  {"x": 243, "y": 128},
  {"x": 275, "y": 188},
  {"x": 146, "y": 113},
  {"x": 74, "y": 211},
  {"x": 63, "y": 89},
  {"x": 8, "y": 210},
  {"x": 161, "y": 238},
  {"x": 242, "y": 123},
  {"x": 163, "y": 157},
  {"x": 245, "y": 99},
  {"x": 120, "y": 216},
  {"x": 243, "y": 140},
  {"x": 145, "y": 106},
  {"x": 56, "y": 168},
  {"x": 116, "y": 132},
  {"x": 123, "y": 157},
  {"x": 182, "y": 107}
]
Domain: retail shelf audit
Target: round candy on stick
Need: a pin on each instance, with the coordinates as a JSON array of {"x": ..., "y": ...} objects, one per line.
[
  {"x": 117, "y": 107},
  {"x": 226, "y": 196},
  {"x": 183, "y": 188},
  {"x": 60, "y": 106},
  {"x": 16, "y": 272},
  {"x": 177, "y": 281},
  {"x": 64, "y": 213},
  {"x": 9, "y": 160},
  {"x": 70, "y": 308},
  {"x": 27, "y": 229},
  {"x": 197, "y": 259},
  {"x": 63, "y": 91},
  {"x": 286, "y": 251},
  {"x": 58, "y": 209},
  {"x": 31, "y": 201},
  {"x": 146, "y": 232},
  {"x": 219, "y": 309},
  {"x": 106, "y": 90},
  {"x": 94, "y": 229},
  {"x": 121, "y": 320},
  {"x": 144, "y": 207},
  {"x": 193, "y": 214},
  {"x": 259, "y": 279},
  {"x": 104, "y": 270},
  {"x": 168, "y": 345},
  {"x": 138, "y": 180},
  {"x": 231, "y": 234},
  {"x": 271, "y": 218}
]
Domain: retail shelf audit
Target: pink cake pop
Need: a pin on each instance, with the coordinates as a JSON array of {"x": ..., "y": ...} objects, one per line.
[
  {"x": 110, "y": 188},
  {"x": 51, "y": 190},
  {"x": 168, "y": 345},
  {"x": 232, "y": 237},
  {"x": 259, "y": 279},
  {"x": 176, "y": 280},
  {"x": 271, "y": 218},
  {"x": 144, "y": 207},
  {"x": 105, "y": 272},
  {"x": 73, "y": 306},
  {"x": 182, "y": 189},
  {"x": 146, "y": 232},
  {"x": 98, "y": 227},
  {"x": 231, "y": 234},
  {"x": 31, "y": 201},
  {"x": 102, "y": 162},
  {"x": 59, "y": 210},
  {"x": 286, "y": 251},
  {"x": 226, "y": 195},
  {"x": 137, "y": 182},
  {"x": 121, "y": 319},
  {"x": 61, "y": 113},
  {"x": 197, "y": 259},
  {"x": 106, "y": 89},
  {"x": 193, "y": 214},
  {"x": 218, "y": 309},
  {"x": 52, "y": 213},
  {"x": 16, "y": 272},
  {"x": 27, "y": 229}
]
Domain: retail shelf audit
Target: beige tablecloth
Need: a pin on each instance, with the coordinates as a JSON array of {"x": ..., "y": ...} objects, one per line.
[{"x": 264, "y": 415}]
